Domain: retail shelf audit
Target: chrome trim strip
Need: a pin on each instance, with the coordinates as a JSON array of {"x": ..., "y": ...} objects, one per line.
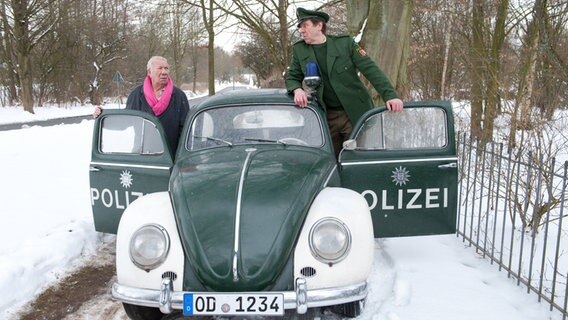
[
  {"x": 330, "y": 175},
  {"x": 452, "y": 165},
  {"x": 249, "y": 151},
  {"x": 129, "y": 165},
  {"x": 360, "y": 163},
  {"x": 315, "y": 298}
]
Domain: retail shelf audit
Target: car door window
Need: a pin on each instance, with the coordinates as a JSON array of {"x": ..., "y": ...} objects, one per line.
[
  {"x": 405, "y": 165},
  {"x": 421, "y": 128},
  {"x": 130, "y": 134}
]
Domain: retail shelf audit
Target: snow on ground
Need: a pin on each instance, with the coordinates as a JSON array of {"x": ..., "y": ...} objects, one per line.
[
  {"x": 17, "y": 114},
  {"x": 46, "y": 230}
]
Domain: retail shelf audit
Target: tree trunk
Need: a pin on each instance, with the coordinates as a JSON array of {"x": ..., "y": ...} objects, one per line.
[
  {"x": 357, "y": 12},
  {"x": 9, "y": 78},
  {"x": 26, "y": 82},
  {"x": 283, "y": 35},
  {"x": 208, "y": 20},
  {"x": 386, "y": 35},
  {"x": 94, "y": 93},
  {"x": 448, "y": 25},
  {"x": 486, "y": 69},
  {"x": 177, "y": 44},
  {"x": 494, "y": 73},
  {"x": 23, "y": 54},
  {"x": 520, "y": 118},
  {"x": 552, "y": 65},
  {"x": 477, "y": 54}
]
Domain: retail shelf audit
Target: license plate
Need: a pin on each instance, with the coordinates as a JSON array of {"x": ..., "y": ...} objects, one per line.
[{"x": 233, "y": 304}]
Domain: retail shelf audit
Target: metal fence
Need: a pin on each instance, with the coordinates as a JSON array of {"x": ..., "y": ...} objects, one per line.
[{"x": 512, "y": 209}]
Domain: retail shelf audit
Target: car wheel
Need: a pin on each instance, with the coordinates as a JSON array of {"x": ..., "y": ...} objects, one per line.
[
  {"x": 135, "y": 312},
  {"x": 350, "y": 310},
  {"x": 312, "y": 313},
  {"x": 179, "y": 316}
]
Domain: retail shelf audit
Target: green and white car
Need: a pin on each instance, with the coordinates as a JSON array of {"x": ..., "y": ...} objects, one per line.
[{"x": 254, "y": 216}]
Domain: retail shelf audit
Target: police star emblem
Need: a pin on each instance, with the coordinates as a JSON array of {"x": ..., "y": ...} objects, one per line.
[
  {"x": 400, "y": 176},
  {"x": 126, "y": 179}
]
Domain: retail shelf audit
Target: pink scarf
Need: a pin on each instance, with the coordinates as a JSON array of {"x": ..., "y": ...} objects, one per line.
[{"x": 158, "y": 105}]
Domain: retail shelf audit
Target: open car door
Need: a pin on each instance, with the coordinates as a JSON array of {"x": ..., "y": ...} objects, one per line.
[
  {"x": 129, "y": 159},
  {"x": 405, "y": 165}
]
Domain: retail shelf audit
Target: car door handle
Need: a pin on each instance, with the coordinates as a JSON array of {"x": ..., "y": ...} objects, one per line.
[
  {"x": 94, "y": 169},
  {"x": 448, "y": 165}
]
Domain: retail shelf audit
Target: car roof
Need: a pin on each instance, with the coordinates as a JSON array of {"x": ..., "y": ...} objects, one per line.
[{"x": 246, "y": 96}]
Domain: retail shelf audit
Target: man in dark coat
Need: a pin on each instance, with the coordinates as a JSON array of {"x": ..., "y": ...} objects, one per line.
[
  {"x": 341, "y": 92},
  {"x": 158, "y": 96}
]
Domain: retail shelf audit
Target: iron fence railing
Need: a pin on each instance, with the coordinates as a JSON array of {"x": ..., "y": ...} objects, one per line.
[{"x": 513, "y": 208}]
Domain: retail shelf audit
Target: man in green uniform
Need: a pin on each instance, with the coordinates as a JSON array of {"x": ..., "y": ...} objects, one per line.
[{"x": 339, "y": 58}]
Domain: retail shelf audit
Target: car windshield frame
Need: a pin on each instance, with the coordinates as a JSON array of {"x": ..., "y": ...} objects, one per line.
[{"x": 258, "y": 123}]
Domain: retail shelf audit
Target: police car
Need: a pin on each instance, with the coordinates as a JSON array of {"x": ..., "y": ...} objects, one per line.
[{"x": 254, "y": 216}]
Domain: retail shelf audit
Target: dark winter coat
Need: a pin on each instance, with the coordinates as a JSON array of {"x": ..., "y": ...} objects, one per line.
[
  {"x": 172, "y": 119},
  {"x": 344, "y": 59}
]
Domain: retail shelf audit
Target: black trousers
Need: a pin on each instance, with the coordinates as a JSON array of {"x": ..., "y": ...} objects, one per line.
[{"x": 340, "y": 128}]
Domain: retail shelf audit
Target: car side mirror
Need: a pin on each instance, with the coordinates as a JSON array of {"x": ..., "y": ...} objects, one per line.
[{"x": 350, "y": 144}]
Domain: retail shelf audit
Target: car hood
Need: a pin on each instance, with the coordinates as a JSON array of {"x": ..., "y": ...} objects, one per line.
[{"x": 240, "y": 209}]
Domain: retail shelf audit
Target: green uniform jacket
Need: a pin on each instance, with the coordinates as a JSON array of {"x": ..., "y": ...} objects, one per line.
[{"x": 344, "y": 58}]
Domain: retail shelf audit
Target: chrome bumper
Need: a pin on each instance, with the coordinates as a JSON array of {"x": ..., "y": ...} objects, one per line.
[{"x": 166, "y": 299}]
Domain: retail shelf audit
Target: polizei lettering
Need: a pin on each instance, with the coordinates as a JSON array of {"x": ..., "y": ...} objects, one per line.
[
  {"x": 114, "y": 198},
  {"x": 408, "y": 199}
]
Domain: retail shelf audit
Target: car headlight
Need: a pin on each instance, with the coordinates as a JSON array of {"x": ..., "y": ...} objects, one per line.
[
  {"x": 149, "y": 246},
  {"x": 330, "y": 240}
]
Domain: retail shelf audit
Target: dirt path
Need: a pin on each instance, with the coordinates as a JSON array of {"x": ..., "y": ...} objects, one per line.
[
  {"x": 82, "y": 295},
  {"x": 85, "y": 294}
]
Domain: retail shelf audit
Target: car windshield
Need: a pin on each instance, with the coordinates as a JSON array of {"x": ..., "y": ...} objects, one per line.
[{"x": 234, "y": 125}]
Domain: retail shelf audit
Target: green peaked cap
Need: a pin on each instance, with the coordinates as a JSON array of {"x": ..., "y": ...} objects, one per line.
[{"x": 303, "y": 14}]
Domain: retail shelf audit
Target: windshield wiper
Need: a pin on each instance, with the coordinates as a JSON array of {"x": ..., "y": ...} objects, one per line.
[
  {"x": 215, "y": 139},
  {"x": 266, "y": 140}
]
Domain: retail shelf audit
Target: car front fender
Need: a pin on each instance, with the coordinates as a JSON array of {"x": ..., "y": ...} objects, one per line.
[
  {"x": 154, "y": 208},
  {"x": 351, "y": 208}
]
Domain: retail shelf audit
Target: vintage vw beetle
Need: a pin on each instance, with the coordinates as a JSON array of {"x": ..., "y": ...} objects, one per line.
[{"x": 256, "y": 216}]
